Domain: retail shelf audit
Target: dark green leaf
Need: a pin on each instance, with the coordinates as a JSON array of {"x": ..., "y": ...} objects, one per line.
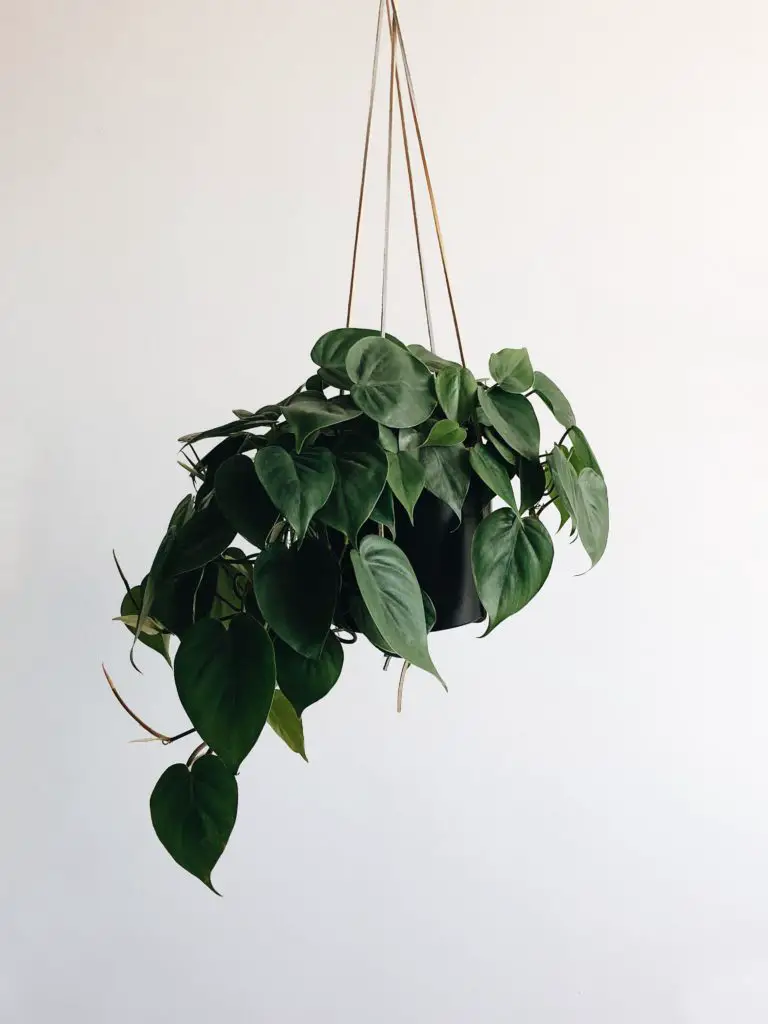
[
  {"x": 315, "y": 383},
  {"x": 244, "y": 501},
  {"x": 361, "y": 473},
  {"x": 430, "y": 359},
  {"x": 532, "y": 483},
  {"x": 457, "y": 392},
  {"x": 296, "y": 589},
  {"x": 447, "y": 475},
  {"x": 405, "y": 476},
  {"x": 183, "y": 511},
  {"x": 297, "y": 485},
  {"x": 225, "y": 679},
  {"x": 511, "y": 559},
  {"x": 193, "y": 813},
  {"x": 446, "y": 433},
  {"x": 393, "y": 597},
  {"x": 390, "y": 385},
  {"x": 174, "y": 601},
  {"x": 310, "y": 413},
  {"x": 493, "y": 471},
  {"x": 511, "y": 369},
  {"x": 156, "y": 573},
  {"x": 151, "y": 634},
  {"x": 201, "y": 539},
  {"x": 582, "y": 456},
  {"x": 234, "y": 427},
  {"x": 304, "y": 681},
  {"x": 384, "y": 512},
  {"x": 210, "y": 463},
  {"x": 331, "y": 350},
  {"x": 514, "y": 418},
  {"x": 554, "y": 398},
  {"x": 287, "y": 724}
]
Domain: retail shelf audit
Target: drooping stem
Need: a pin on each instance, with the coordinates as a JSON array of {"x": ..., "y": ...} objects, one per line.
[
  {"x": 401, "y": 685},
  {"x": 147, "y": 728}
]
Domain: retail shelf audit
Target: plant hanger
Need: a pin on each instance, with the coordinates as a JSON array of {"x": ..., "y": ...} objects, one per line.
[{"x": 392, "y": 495}]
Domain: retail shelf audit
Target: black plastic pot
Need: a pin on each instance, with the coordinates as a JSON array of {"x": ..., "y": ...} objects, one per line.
[{"x": 440, "y": 550}]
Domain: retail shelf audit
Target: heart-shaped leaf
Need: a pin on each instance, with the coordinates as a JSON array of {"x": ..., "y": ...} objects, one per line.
[
  {"x": 405, "y": 476},
  {"x": 511, "y": 369},
  {"x": 201, "y": 539},
  {"x": 225, "y": 679},
  {"x": 312, "y": 412},
  {"x": 297, "y": 484},
  {"x": 554, "y": 398},
  {"x": 243, "y": 500},
  {"x": 447, "y": 474},
  {"x": 392, "y": 595},
  {"x": 193, "y": 813},
  {"x": 296, "y": 590},
  {"x": 216, "y": 457},
  {"x": 330, "y": 351},
  {"x": 361, "y": 473},
  {"x": 457, "y": 392},
  {"x": 514, "y": 418},
  {"x": 445, "y": 433},
  {"x": 367, "y": 626},
  {"x": 493, "y": 471},
  {"x": 532, "y": 483},
  {"x": 511, "y": 559},
  {"x": 304, "y": 681},
  {"x": 287, "y": 724},
  {"x": 389, "y": 384}
]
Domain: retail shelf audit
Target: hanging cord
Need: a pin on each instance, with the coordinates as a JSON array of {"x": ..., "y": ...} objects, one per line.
[
  {"x": 388, "y": 196},
  {"x": 430, "y": 190},
  {"x": 394, "y": 24},
  {"x": 366, "y": 149}
]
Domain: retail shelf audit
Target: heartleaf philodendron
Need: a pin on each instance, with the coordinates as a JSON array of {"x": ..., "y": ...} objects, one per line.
[{"x": 390, "y": 495}]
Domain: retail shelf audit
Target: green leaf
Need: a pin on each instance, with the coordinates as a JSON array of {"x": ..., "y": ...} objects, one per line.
[
  {"x": 314, "y": 383},
  {"x": 554, "y": 398},
  {"x": 258, "y": 419},
  {"x": 312, "y": 412},
  {"x": 176, "y": 600},
  {"x": 501, "y": 447},
  {"x": 564, "y": 478},
  {"x": 287, "y": 724},
  {"x": 411, "y": 438},
  {"x": 582, "y": 455},
  {"x": 392, "y": 595},
  {"x": 297, "y": 485},
  {"x": 387, "y": 439},
  {"x": 390, "y": 385},
  {"x": 330, "y": 351},
  {"x": 447, "y": 475},
  {"x": 493, "y": 472},
  {"x": 210, "y": 463},
  {"x": 511, "y": 559},
  {"x": 367, "y": 626},
  {"x": 457, "y": 392},
  {"x": 183, "y": 511},
  {"x": 384, "y": 511},
  {"x": 511, "y": 369},
  {"x": 532, "y": 483},
  {"x": 431, "y": 359},
  {"x": 193, "y": 813},
  {"x": 591, "y": 513},
  {"x": 151, "y": 634},
  {"x": 446, "y": 433},
  {"x": 304, "y": 681},
  {"x": 155, "y": 574},
  {"x": 405, "y": 476},
  {"x": 361, "y": 473},
  {"x": 296, "y": 590},
  {"x": 225, "y": 679},
  {"x": 201, "y": 539},
  {"x": 244, "y": 501},
  {"x": 514, "y": 418}
]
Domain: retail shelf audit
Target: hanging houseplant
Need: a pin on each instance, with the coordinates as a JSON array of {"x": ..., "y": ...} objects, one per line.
[{"x": 390, "y": 495}]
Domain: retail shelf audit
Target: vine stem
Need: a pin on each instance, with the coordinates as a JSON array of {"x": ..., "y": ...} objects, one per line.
[
  {"x": 401, "y": 685},
  {"x": 147, "y": 728}
]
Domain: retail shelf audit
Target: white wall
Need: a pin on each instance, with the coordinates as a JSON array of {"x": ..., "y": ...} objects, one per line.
[{"x": 578, "y": 833}]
